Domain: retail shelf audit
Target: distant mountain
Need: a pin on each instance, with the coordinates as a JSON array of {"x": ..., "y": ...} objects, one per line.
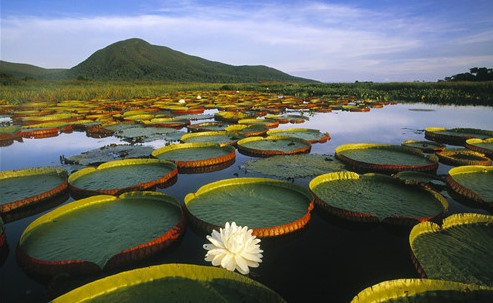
[
  {"x": 136, "y": 59},
  {"x": 21, "y": 70}
]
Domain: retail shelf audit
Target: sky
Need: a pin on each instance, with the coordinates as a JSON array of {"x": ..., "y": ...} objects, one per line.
[{"x": 328, "y": 41}]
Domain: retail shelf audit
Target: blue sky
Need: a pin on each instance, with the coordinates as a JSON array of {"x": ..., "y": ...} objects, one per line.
[{"x": 329, "y": 41}]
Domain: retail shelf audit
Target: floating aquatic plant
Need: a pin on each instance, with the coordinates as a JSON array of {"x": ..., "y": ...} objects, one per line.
[
  {"x": 456, "y": 136},
  {"x": 310, "y": 135},
  {"x": 385, "y": 158},
  {"x": 273, "y": 145},
  {"x": 461, "y": 249},
  {"x": 270, "y": 207},
  {"x": 295, "y": 166},
  {"x": 109, "y": 153},
  {"x": 173, "y": 283},
  {"x": 483, "y": 146},
  {"x": 472, "y": 183},
  {"x": 100, "y": 232},
  {"x": 376, "y": 198},
  {"x": 424, "y": 290}
]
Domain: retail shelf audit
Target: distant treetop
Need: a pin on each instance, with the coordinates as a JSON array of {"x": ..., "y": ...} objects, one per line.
[{"x": 474, "y": 74}]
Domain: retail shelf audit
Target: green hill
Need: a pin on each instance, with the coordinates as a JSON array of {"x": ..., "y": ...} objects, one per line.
[
  {"x": 20, "y": 70},
  {"x": 136, "y": 59}
]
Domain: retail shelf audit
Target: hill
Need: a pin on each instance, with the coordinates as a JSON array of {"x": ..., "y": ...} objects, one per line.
[
  {"x": 21, "y": 70},
  {"x": 136, "y": 59}
]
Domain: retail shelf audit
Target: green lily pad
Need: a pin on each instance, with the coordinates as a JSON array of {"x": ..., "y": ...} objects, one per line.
[
  {"x": 385, "y": 158},
  {"x": 423, "y": 291},
  {"x": 100, "y": 232},
  {"x": 460, "y": 250},
  {"x": 197, "y": 154},
  {"x": 416, "y": 177},
  {"x": 473, "y": 183},
  {"x": 273, "y": 145},
  {"x": 120, "y": 176},
  {"x": 208, "y": 126},
  {"x": 425, "y": 146},
  {"x": 269, "y": 207},
  {"x": 463, "y": 156},
  {"x": 195, "y": 116},
  {"x": 8, "y": 132},
  {"x": 232, "y": 117},
  {"x": 288, "y": 118},
  {"x": 219, "y": 137},
  {"x": 267, "y": 122},
  {"x": 295, "y": 166},
  {"x": 483, "y": 146},
  {"x": 147, "y": 134},
  {"x": 109, "y": 153},
  {"x": 24, "y": 187},
  {"x": 173, "y": 283},
  {"x": 376, "y": 198},
  {"x": 310, "y": 135},
  {"x": 166, "y": 122},
  {"x": 456, "y": 136},
  {"x": 248, "y": 130}
]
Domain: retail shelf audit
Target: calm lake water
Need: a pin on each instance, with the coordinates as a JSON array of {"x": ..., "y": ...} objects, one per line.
[{"x": 330, "y": 260}]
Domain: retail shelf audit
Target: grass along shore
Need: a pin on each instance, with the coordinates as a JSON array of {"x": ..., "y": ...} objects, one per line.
[{"x": 444, "y": 92}]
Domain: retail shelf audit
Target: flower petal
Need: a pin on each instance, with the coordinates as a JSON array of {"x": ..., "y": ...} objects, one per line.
[{"x": 241, "y": 264}]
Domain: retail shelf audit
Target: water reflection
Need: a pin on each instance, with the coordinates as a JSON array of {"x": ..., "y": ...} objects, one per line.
[{"x": 328, "y": 261}]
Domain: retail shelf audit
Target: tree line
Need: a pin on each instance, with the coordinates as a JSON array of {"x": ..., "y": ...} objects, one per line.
[{"x": 474, "y": 74}]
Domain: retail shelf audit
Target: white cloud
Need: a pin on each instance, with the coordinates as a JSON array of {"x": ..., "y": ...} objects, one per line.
[{"x": 301, "y": 39}]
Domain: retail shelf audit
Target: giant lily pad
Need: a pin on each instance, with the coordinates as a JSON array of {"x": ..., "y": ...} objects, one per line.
[
  {"x": 21, "y": 188},
  {"x": 219, "y": 137},
  {"x": 295, "y": 166},
  {"x": 460, "y": 250},
  {"x": 462, "y": 156},
  {"x": 416, "y": 177},
  {"x": 295, "y": 119},
  {"x": 9, "y": 133},
  {"x": 472, "y": 183},
  {"x": 100, "y": 232},
  {"x": 376, "y": 198},
  {"x": 197, "y": 154},
  {"x": 483, "y": 146},
  {"x": 167, "y": 122},
  {"x": 232, "y": 117},
  {"x": 423, "y": 291},
  {"x": 267, "y": 122},
  {"x": 173, "y": 283},
  {"x": 109, "y": 153},
  {"x": 273, "y": 145},
  {"x": 456, "y": 136},
  {"x": 208, "y": 126},
  {"x": 248, "y": 130},
  {"x": 41, "y": 132},
  {"x": 310, "y": 135},
  {"x": 385, "y": 158},
  {"x": 269, "y": 207},
  {"x": 425, "y": 146},
  {"x": 119, "y": 176},
  {"x": 146, "y": 134}
]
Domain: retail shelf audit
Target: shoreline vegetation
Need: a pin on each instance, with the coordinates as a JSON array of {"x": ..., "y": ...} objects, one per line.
[{"x": 442, "y": 92}]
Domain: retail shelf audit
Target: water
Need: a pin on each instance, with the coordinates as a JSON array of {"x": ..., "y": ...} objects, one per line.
[{"x": 330, "y": 260}]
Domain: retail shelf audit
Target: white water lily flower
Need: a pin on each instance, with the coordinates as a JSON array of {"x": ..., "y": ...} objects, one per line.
[
  {"x": 234, "y": 247},
  {"x": 182, "y": 101}
]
